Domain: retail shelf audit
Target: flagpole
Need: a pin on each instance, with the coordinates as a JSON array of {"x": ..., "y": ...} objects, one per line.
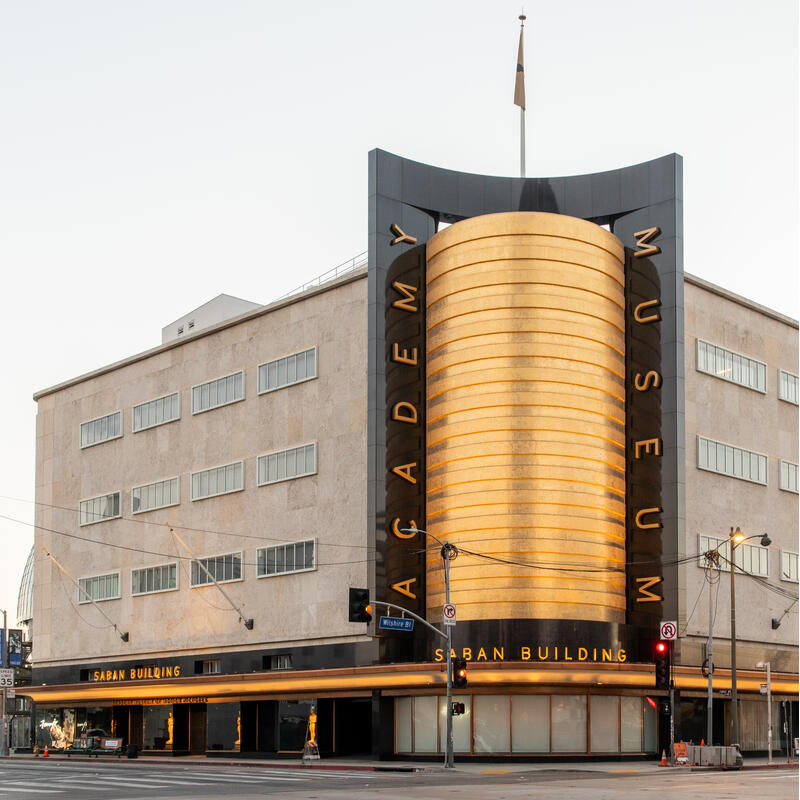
[{"x": 519, "y": 97}]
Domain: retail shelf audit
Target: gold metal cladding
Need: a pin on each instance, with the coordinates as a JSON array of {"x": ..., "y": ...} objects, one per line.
[{"x": 525, "y": 353}]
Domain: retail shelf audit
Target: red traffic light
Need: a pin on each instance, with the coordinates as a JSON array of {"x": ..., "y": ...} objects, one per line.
[{"x": 661, "y": 647}]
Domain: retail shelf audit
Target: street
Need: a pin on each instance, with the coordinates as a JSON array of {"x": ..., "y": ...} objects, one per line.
[{"x": 120, "y": 781}]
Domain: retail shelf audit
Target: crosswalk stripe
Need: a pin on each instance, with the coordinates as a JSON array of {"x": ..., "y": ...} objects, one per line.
[
  {"x": 11, "y": 788},
  {"x": 98, "y": 784}
]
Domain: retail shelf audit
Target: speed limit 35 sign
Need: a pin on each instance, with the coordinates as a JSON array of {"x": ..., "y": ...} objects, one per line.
[
  {"x": 6, "y": 677},
  {"x": 669, "y": 631}
]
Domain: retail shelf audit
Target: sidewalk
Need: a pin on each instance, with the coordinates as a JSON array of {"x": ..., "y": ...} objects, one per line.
[{"x": 472, "y": 767}]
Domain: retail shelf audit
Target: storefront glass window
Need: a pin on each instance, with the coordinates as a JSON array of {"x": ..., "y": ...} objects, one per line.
[
  {"x": 224, "y": 726},
  {"x": 492, "y": 729},
  {"x": 50, "y": 727},
  {"x": 604, "y": 724},
  {"x": 158, "y": 727},
  {"x": 402, "y": 724},
  {"x": 99, "y": 719},
  {"x": 294, "y": 723},
  {"x": 425, "y": 724},
  {"x": 530, "y": 723},
  {"x": 461, "y": 724},
  {"x": 631, "y": 715},
  {"x": 569, "y": 723}
]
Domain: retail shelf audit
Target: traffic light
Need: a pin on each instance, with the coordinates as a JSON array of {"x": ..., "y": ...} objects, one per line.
[
  {"x": 459, "y": 673},
  {"x": 360, "y": 608},
  {"x": 458, "y": 709},
  {"x": 662, "y": 665}
]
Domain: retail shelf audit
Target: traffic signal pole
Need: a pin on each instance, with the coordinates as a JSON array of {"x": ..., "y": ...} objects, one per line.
[{"x": 448, "y": 758}]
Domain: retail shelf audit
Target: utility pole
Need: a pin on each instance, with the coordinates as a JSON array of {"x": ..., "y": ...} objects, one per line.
[
  {"x": 711, "y": 557},
  {"x": 447, "y": 554},
  {"x": 4, "y": 661}
]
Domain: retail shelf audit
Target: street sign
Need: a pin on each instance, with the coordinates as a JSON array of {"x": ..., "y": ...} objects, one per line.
[
  {"x": 669, "y": 631},
  {"x": 6, "y": 677},
  {"x": 11, "y": 694},
  {"x": 449, "y": 613},
  {"x": 763, "y": 688},
  {"x": 396, "y": 624}
]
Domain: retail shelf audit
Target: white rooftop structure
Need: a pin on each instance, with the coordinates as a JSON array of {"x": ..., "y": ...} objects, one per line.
[{"x": 221, "y": 308}]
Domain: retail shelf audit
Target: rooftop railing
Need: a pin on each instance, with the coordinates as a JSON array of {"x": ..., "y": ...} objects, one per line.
[{"x": 351, "y": 265}]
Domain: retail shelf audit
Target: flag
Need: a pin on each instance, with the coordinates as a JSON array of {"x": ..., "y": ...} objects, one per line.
[{"x": 519, "y": 85}]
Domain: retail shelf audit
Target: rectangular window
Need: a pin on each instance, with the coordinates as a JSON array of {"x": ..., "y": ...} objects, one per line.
[
  {"x": 101, "y": 429},
  {"x": 154, "y": 579},
  {"x": 283, "y": 465},
  {"x": 218, "y": 480},
  {"x": 157, "y": 412},
  {"x": 217, "y": 393},
  {"x": 284, "y": 558},
  {"x": 735, "y": 462},
  {"x": 223, "y": 569},
  {"x": 155, "y": 495},
  {"x": 787, "y": 386},
  {"x": 731, "y": 366},
  {"x": 751, "y": 558},
  {"x": 280, "y": 661},
  {"x": 789, "y": 566},
  {"x": 789, "y": 476},
  {"x": 99, "y": 509},
  {"x": 281, "y": 372},
  {"x": 211, "y": 667},
  {"x": 99, "y": 587}
]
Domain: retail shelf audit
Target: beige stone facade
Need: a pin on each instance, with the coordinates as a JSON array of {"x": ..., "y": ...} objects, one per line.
[
  {"x": 754, "y": 420},
  {"x": 328, "y": 507}
]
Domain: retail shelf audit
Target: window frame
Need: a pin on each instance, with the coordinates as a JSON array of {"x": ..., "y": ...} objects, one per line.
[
  {"x": 194, "y": 499},
  {"x": 733, "y": 447},
  {"x": 728, "y": 351},
  {"x": 97, "y": 497},
  {"x": 214, "y": 380},
  {"x": 157, "y": 591},
  {"x": 797, "y": 569},
  {"x": 723, "y": 543},
  {"x": 153, "y": 483},
  {"x": 266, "y": 364},
  {"x": 790, "y": 375},
  {"x": 95, "y": 419},
  {"x": 789, "y": 464},
  {"x": 239, "y": 553},
  {"x": 284, "y": 451},
  {"x": 82, "y": 599},
  {"x": 312, "y": 540},
  {"x": 134, "y": 429}
]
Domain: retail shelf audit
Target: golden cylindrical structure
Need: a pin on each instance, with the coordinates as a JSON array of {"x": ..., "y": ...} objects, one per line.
[{"x": 526, "y": 417}]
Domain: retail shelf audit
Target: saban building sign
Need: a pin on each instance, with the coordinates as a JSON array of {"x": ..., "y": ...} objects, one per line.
[{"x": 641, "y": 206}]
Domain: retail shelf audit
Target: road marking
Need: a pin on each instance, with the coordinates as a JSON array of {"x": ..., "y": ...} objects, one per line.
[
  {"x": 620, "y": 771},
  {"x": 11, "y": 788},
  {"x": 83, "y": 784},
  {"x": 493, "y": 771}
]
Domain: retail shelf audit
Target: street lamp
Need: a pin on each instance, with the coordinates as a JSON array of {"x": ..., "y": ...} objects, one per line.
[
  {"x": 736, "y": 537},
  {"x": 449, "y": 552}
]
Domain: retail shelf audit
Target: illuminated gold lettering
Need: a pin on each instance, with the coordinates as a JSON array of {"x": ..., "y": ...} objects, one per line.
[
  {"x": 646, "y": 526},
  {"x": 167, "y": 672},
  {"x": 404, "y": 471},
  {"x": 546, "y": 653},
  {"x": 410, "y": 415},
  {"x": 555, "y": 653},
  {"x": 453, "y": 653},
  {"x": 108, "y": 674},
  {"x": 607, "y": 655},
  {"x": 122, "y": 674},
  {"x": 652, "y": 378},
  {"x": 642, "y": 240},
  {"x": 398, "y": 533},
  {"x": 651, "y": 447},
  {"x": 621, "y": 656},
  {"x": 466, "y": 654},
  {"x": 583, "y": 654},
  {"x": 481, "y": 655},
  {"x": 157, "y": 672},
  {"x": 96, "y": 675},
  {"x": 408, "y": 292},
  {"x": 594, "y": 654},
  {"x": 177, "y": 672},
  {"x": 566, "y": 655},
  {"x": 400, "y": 236},
  {"x": 647, "y": 596},
  {"x": 403, "y": 587},
  {"x": 438, "y": 654},
  {"x": 526, "y": 654},
  {"x": 499, "y": 654},
  {"x": 637, "y": 312},
  {"x": 404, "y": 357}
]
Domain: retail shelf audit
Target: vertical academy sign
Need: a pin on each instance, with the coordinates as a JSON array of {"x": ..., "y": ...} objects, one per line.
[{"x": 404, "y": 553}]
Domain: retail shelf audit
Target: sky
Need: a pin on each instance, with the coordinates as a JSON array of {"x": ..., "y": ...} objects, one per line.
[{"x": 155, "y": 154}]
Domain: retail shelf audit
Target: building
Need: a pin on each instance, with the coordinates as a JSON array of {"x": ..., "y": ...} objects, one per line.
[{"x": 538, "y": 384}]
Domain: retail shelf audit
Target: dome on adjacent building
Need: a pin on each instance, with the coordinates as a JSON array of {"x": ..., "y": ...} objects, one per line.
[{"x": 25, "y": 598}]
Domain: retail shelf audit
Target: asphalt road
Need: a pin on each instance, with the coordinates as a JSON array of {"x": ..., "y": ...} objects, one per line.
[{"x": 146, "y": 781}]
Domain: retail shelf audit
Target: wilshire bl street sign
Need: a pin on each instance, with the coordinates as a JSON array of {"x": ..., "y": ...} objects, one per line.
[{"x": 396, "y": 624}]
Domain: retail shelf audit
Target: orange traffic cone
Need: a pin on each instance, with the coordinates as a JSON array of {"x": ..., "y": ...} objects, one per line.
[
  {"x": 702, "y": 743},
  {"x": 663, "y": 759},
  {"x": 46, "y": 752}
]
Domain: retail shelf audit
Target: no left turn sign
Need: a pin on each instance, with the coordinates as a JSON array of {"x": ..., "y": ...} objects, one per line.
[
  {"x": 669, "y": 631},
  {"x": 449, "y": 614}
]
